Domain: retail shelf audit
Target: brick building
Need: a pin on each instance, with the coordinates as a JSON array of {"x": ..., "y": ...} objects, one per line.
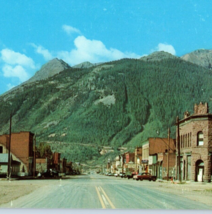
[
  {"x": 129, "y": 164},
  {"x": 155, "y": 157},
  {"x": 195, "y": 136},
  {"x": 56, "y": 161},
  {"x": 21, "y": 150},
  {"x": 138, "y": 159},
  {"x": 129, "y": 157},
  {"x": 159, "y": 148}
]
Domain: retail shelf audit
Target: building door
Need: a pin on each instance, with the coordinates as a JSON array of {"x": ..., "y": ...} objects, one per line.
[
  {"x": 199, "y": 170},
  {"x": 200, "y": 175},
  {"x": 160, "y": 170},
  {"x": 184, "y": 165},
  {"x": 189, "y": 167},
  {"x": 181, "y": 170}
]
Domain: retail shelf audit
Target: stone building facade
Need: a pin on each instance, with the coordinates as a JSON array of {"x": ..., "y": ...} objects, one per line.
[{"x": 195, "y": 136}]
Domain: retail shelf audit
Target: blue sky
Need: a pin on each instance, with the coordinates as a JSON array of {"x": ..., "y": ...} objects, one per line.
[{"x": 34, "y": 32}]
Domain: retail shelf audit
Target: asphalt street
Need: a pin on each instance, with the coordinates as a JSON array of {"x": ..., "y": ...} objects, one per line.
[{"x": 102, "y": 192}]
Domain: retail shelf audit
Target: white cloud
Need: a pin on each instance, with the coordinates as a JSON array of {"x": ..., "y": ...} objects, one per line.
[
  {"x": 15, "y": 71},
  {"x": 165, "y": 47},
  {"x": 16, "y": 65},
  {"x": 69, "y": 29},
  {"x": 93, "y": 51},
  {"x": 14, "y": 58},
  {"x": 44, "y": 52}
]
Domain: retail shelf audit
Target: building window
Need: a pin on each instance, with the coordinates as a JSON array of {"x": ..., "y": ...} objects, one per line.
[
  {"x": 183, "y": 141},
  {"x": 190, "y": 139},
  {"x": 1, "y": 149},
  {"x": 199, "y": 139}
]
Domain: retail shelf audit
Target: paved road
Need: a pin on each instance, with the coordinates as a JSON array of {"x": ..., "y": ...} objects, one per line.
[{"x": 98, "y": 191}]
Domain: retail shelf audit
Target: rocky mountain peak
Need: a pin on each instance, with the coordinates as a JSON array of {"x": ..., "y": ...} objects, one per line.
[
  {"x": 49, "y": 69},
  {"x": 201, "y": 57}
]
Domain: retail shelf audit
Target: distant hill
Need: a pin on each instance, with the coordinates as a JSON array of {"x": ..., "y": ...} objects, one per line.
[
  {"x": 78, "y": 111},
  {"x": 158, "y": 56},
  {"x": 83, "y": 65},
  {"x": 200, "y": 57}
]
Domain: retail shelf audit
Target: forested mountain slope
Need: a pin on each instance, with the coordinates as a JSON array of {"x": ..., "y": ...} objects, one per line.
[{"x": 113, "y": 104}]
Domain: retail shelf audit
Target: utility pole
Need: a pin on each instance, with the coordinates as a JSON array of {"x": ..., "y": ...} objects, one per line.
[
  {"x": 34, "y": 161},
  {"x": 178, "y": 147},
  {"x": 168, "y": 154},
  {"x": 8, "y": 166},
  {"x": 122, "y": 162},
  {"x": 136, "y": 159}
]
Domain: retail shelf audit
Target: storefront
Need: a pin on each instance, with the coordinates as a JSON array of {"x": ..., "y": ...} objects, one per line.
[{"x": 153, "y": 165}]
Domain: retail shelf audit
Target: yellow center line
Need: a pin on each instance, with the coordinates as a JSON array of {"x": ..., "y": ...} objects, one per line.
[
  {"x": 100, "y": 198},
  {"x": 111, "y": 204}
]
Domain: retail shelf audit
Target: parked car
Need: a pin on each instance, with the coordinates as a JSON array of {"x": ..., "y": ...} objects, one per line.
[
  {"x": 110, "y": 174},
  {"x": 116, "y": 174},
  {"x": 136, "y": 176},
  {"x": 49, "y": 173},
  {"x": 146, "y": 176},
  {"x": 130, "y": 175},
  {"x": 122, "y": 175}
]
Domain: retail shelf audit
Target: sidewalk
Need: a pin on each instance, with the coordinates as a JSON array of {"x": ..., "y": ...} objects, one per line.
[{"x": 184, "y": 182}]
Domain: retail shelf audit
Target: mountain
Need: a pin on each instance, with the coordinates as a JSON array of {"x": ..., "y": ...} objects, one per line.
[
  {"x": 158, "y": 56},
  {"x": 200, "y": 57},
  {"x": 84, "y": 65},
  {"x": 120, "y": 103},
  {"x": 49, "y": 69}
]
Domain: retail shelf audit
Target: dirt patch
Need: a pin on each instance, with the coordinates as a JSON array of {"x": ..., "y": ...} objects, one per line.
[{"x": 10, "y": 191}]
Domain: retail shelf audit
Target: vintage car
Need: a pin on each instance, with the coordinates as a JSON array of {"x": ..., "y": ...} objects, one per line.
[
  {"x": 110, "y": 174},
  {"x": 130, "y": 175},
  {"x": 135, "y": 176},
  {"x": 146, "y": 176},
  {"x": 122, "y": 175},
  {"x": 49, "y": 174}
]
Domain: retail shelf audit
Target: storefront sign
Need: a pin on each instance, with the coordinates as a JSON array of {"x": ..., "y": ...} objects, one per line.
[{"x": 145, "y": 161}]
